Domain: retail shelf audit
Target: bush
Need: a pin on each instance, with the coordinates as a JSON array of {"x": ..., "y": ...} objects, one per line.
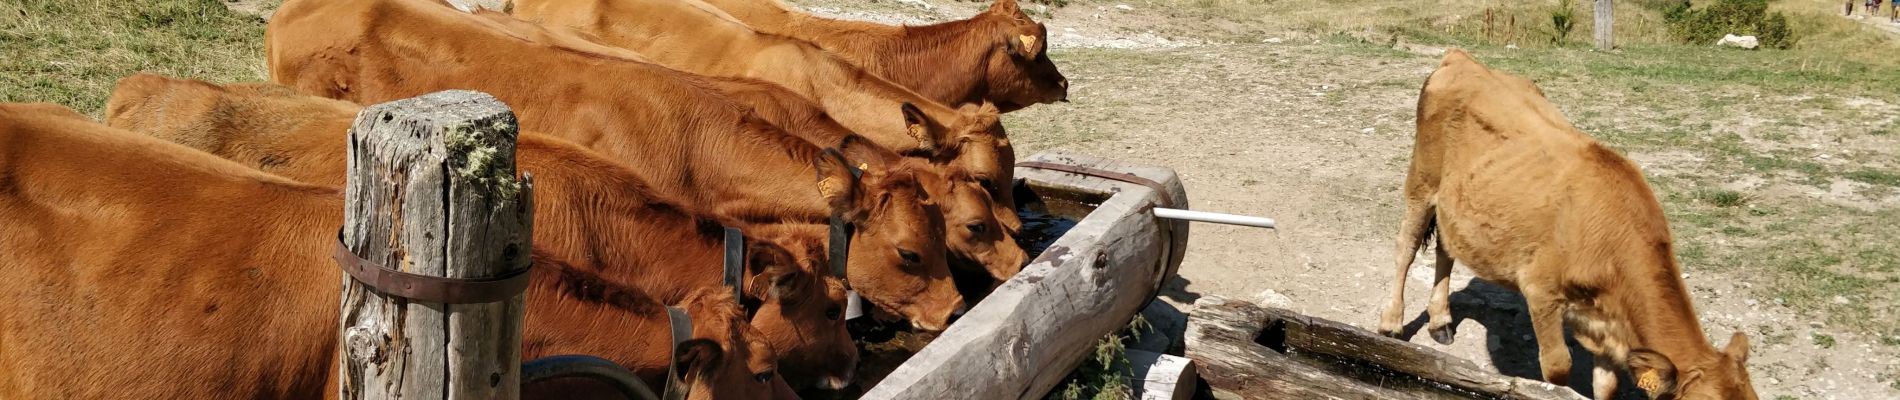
[
  {"x": 1740, "y": 17},
  {"x": 1562, "y": 20}
]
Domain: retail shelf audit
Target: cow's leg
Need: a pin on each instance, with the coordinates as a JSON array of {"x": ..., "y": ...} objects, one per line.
[
  {"x": 1412, "y": 231},
  {"x": 1440, "y": 307},
  {"x": 1547, "y": 321},
  {"x": 1603, "y": 378}
]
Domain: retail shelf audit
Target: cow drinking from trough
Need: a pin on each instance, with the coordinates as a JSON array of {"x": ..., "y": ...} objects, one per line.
[
  {"x": 1527, "y": 201},
  {"x": 679, "y": 134}
]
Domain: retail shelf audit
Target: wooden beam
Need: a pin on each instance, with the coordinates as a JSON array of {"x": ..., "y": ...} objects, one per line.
[
  {"x": 1024, "y": 338},
  {"x": 1157, "y": 376},
  {"x": 1261, "y": 352},
  {"x": 432, "y": 191}
]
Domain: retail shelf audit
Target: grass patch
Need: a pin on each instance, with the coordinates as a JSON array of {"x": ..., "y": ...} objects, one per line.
[
  {"x": 73, "y": 51},
  {"x": 1825, "y": 341},
  {"x": 1874, "y": 177},
  {"x": 1722, "y": 198},
  {"x": 1105, "y": 374}
]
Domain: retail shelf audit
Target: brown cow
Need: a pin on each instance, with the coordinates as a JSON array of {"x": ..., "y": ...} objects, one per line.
[
  {"x": 717, "y": 46},
  {"x": 143, "y": 269},
  {"x": 1529, "y": 202},
  {"x": 684, "y": 138},
  {"x": 589, "y": 209},
  {"x": 999, "y": 56}
]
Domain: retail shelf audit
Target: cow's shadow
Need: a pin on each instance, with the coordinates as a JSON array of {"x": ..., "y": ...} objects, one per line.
[{"x": 1509, "y": 340}]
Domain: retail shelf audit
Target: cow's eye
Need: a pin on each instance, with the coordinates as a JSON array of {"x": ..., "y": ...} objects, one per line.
[
  {"x": 977, "y": 228},
  {"x": 834, "y": 313},
  {"x": 910, "y": 257},
  {"x": 763, "y": 377},
  {"x": 988, "y": 184}
]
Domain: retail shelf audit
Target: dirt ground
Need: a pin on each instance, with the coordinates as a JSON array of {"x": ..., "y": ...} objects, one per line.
[{"x": 1315, "y": 131}]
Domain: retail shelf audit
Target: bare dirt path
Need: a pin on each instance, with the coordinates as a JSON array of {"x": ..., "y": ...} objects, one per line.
[{"x": 1316, "y": 133}]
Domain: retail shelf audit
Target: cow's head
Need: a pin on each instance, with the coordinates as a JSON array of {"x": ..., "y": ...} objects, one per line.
[
  {"x": 1020, "y": 73},
  {"x": 977, "y": 240},
  {"x": 801, "y": 311},
  {"x": 896, "y": 259},
  {"x": 979, "y": 146},
  {"x": 1723, "y": 375},
  {"x": 725, "y": 359},
  {"x": 973, "y": 235}
]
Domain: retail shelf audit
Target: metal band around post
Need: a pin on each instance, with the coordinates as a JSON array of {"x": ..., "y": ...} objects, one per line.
[
  {"x": 434, "y": 289},
  {"x": 735, "y": 263},
  {"x": 681, "y": 328}
]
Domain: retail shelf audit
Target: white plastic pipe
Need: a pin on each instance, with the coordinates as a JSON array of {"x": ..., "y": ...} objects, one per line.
[{"x": 1218, "y": 218}]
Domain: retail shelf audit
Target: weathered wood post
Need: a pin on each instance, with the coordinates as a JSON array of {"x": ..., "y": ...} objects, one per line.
[
  {"x": 436, "y": 228},
  {"x": 1605, "y": 33}
]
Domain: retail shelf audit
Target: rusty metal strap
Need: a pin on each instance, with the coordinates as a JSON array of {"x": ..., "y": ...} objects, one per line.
[
  {"x": 1166, "y": 196},
  {"x": 434, "y": 289}
]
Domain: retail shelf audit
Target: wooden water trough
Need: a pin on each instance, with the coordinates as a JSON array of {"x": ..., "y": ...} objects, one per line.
[
  {"x": 1248, "y": 351},
  {"x": 1027, "y": 334}
]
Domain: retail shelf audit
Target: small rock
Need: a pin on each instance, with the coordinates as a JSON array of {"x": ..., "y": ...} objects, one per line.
[
  {"x": 1124, "y": 7},
  {"x": 1366, "y": 131},
  {"x": 1840, "y": 300},
  {"x": 1512, "y": 46},
  {"x": 1275, "y": 299},
  {"x": 1273, "y": 40},
  {"x": 1751, "y": 302},
  {"x": 1685, "y": 276},
  {"x": 1746, "y": 42}
]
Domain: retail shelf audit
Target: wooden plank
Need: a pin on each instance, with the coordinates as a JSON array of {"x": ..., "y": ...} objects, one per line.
[
  {"x": 1226, "y": 338},
  {"x": 1031, "y": 331},
  {"x": 432, "y": 191},
  {"x": 1157, "y": 376}
]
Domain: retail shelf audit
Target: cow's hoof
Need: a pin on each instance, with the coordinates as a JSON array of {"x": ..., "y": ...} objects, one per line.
[
  {"x": 1391, "y": 333},
  {"x": 1442, "y": 334}
]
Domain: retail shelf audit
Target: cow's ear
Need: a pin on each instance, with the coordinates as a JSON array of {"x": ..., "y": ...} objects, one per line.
[
  {"x": 1005, "y": 7},
  {"x": 698, "y": 355},
  {"x": 1654, "y": 373},
  {"x": 772, "y": 270},
  {"x": 1737, "y": 347},
  {"x": 1030, "y": 45},
  {"x": 836, "y": 184},
  {"x": 916, "y": 124}
]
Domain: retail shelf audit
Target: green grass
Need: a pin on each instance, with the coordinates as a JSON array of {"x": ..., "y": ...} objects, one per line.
[
  {"x": 1822, "y": 340},
  {"x": 1105, "y": 374},
  {"x": 72, "y": 51},
  {"x": 1875, "y": 177}
]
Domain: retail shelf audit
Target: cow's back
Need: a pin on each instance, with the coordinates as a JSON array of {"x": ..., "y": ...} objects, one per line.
[{"x": 142, "y": 269}]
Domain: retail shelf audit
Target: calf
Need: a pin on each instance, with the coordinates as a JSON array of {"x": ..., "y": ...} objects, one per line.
[
  {"x": 144, "y": 269},
  {"x": 999, "y": 55},
  {"x": 589, "y": 209},
  {"x": 1529, "y": 202},
  {"x": 972, "y": 136},
  {"x": 674, "y": 130}
]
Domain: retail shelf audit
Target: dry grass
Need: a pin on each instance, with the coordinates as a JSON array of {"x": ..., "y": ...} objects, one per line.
[{"x": 73, "y": 51}]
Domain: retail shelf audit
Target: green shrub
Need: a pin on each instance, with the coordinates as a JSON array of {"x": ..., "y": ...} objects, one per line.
[
  {"x": 1562, "y": 21},
  {"x": 1739, "y": 17}
]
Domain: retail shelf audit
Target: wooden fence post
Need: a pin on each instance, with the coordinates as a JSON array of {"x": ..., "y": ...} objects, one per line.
[
  {"x": 1605, "y": 23},
  {"x": 432, "y": 191}
]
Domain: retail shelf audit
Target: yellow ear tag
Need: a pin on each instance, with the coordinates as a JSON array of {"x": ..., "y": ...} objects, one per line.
[
  {"x": 864, "y": 167},
  {"x": 828, "y": 186},
  {"x": 1029, "y": 43},
  {"x": 1650, "y": 381}
]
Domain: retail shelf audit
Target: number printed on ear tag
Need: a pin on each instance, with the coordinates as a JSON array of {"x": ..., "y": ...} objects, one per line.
[{"x": 853, "y": 306}]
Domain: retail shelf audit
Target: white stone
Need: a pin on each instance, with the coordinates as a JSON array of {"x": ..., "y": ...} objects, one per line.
[
  {"x": 1273, "y": 40},
  {"x": 1746, "y": 42},
  {"x": 1272, "y": 298},
  {"x": 1124, "y": 7}
]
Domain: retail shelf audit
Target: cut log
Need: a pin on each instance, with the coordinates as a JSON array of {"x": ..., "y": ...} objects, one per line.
[
  {"x": 1024, "y": 338},
  {"x": 432, "y": 191},
  {"x": 1157, "y": 376},
  {"x": 1260, "y": 352}
]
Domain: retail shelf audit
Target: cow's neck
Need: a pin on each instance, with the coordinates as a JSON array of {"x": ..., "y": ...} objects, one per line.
[
  {"x": 1660, "y": 316},
  {"x": 577, "y": 312},
  {"x": 956, "y": 49}
]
